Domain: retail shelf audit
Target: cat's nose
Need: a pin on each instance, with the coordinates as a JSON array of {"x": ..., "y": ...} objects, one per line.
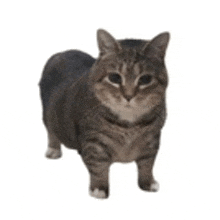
[{"x": 128, "y": 97}]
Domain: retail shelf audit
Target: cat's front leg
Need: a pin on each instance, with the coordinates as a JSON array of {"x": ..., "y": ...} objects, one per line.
[
  {"x": 98, "y": 162},
  {"x": 145, "y": 176}
]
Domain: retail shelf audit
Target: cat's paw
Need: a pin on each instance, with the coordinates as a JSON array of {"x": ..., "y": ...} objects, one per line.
[
  {"x": 53, "y": 153},
  {"x": 153, "y": 187},
  {"x": 97, "y": 193}
]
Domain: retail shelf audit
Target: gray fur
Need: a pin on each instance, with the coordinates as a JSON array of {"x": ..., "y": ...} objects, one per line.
[{"x": 85, "y": 111}]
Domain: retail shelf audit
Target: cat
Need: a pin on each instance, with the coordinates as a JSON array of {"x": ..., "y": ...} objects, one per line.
[{"x": 110, "y": 109}]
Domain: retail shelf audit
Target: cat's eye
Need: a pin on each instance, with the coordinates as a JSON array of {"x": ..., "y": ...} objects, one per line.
[
  {"x": 144, "y": 80},
  {"x": 115, "y": 78}
]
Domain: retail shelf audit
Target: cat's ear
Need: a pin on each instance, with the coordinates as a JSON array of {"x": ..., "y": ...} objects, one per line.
[
  {"x": 106, "y": 42},
  {"x": 156, "y": 48}
]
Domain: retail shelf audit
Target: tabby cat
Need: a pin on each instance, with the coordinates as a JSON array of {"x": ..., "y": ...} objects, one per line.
[{"x": 111, "y": 109}]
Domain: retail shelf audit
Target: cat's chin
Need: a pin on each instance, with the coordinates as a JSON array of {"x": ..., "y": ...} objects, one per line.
[{"x": 127, "y": 112}]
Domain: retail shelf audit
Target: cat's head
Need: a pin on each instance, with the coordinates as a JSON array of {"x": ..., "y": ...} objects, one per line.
[{"x": 130, "y": 77}]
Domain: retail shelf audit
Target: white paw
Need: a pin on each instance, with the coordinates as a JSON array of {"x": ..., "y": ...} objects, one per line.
[
  {"x": 154, "y": 186},
  {"x": 53, "y": 153},
  {"x": 100, "y": 194}
]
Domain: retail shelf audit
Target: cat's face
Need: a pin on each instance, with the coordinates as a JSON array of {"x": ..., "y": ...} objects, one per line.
[{"x": 129, "y": 81}]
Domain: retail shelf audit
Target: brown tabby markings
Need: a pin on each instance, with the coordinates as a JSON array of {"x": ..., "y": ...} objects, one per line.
[{"x": 113, "y": 122}]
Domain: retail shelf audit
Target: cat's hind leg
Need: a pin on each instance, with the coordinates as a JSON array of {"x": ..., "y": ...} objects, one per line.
[{"x": 54, "y": 147}]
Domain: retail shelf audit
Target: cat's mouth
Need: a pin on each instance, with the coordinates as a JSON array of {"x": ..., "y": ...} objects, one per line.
[{"x": 128, "y": 106}]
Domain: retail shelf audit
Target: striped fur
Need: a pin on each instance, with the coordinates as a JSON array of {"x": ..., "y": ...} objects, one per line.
[{"x": 84, "y": 110}]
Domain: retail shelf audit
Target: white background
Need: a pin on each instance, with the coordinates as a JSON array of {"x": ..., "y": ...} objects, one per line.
[{"x": 187, "y": 167}]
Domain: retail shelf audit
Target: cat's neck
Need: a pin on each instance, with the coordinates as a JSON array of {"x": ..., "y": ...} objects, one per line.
[{"x": 146, "y": 119}]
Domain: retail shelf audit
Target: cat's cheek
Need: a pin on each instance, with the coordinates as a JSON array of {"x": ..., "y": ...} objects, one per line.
[
  {"x": 154, "y": 100},
  {"x": 150, "y": 101},
  {"x": 108, "y": 99},
  {"x": 116, "y": 98},
  {"x": 100, "y": 93}
]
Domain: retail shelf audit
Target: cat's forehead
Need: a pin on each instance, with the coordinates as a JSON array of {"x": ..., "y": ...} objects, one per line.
[
  {"x": 129, "y": 61},
  {"x": 135, "y": 69},
  {"x": 133, "y": 43},
  {"x": 129, "y": 67},
  {"x": 130, "y": 56},
  {"x": 126, "y": 68}
]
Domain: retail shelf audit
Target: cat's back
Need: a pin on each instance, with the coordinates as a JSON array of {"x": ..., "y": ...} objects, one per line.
[{"x": 61, "y": 70}]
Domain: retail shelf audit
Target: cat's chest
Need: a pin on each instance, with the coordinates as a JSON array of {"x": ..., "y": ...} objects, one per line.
[
  {"x": 127, "y": 144},
  {"x": 126, "y": 136}
]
